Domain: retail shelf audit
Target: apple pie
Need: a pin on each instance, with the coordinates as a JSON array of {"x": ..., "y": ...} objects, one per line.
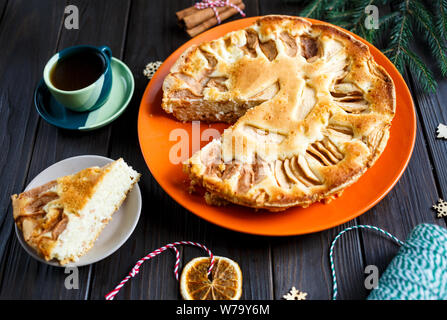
[
  {"x": 310, "y": 111},
  {"x": 62, "y": 218}
]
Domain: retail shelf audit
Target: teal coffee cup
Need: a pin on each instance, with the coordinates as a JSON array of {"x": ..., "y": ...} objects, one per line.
[{"x": 80, "y": 77}]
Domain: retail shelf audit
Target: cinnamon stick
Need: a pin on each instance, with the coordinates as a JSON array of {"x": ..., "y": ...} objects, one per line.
[
  {"x": 192, "y": 17},
  {"x": 185, "y": 12},
  {"x": 211, "y": 22}
]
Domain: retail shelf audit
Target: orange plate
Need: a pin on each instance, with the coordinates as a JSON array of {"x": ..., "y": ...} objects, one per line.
[{"x": 155, "y": 126}]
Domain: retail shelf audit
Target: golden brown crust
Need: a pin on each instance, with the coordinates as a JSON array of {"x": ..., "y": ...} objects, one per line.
[
  {"x": 75, "y": 190},
  {"x": 319, "y": 115}
]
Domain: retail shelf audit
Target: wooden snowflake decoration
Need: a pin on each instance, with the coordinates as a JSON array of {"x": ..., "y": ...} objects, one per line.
[
  {"x": 441, "y": 208},
  {"x": 442, "y": 131},
  {"x": 295, "y": 294},
  {"x": 151, "y": 68}
]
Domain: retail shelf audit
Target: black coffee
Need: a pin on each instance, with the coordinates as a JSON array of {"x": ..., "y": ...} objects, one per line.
[{"x": 77, "y": 71}]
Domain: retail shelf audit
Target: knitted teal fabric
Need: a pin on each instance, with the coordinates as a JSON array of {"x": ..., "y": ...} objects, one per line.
[{"x": 419, "y": 271}]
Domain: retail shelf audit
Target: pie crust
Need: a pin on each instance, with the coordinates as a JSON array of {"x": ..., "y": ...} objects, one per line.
[{"x": 310, "y": 111}]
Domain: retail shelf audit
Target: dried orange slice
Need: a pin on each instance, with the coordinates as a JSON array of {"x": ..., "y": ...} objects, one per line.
[{"x": 225, "y": 282}]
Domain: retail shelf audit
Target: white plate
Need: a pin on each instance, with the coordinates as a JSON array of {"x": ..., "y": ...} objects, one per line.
[{"x": 117, "y": 231}]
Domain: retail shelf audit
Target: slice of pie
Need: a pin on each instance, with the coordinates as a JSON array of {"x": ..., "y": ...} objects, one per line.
[
  {"x": 310, "y": 106},
  {"x": 62, "y": 218}
]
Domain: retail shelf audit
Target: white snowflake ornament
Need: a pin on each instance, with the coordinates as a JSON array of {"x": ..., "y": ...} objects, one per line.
[
  {"x": 441, "y": 208},
  {"x": 295, "y": 294},
  {"x": 151, "y": 68},
  {"x": 442, "y": 131}
]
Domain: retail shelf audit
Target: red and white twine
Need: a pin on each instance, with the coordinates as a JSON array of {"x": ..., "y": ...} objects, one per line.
[
  {"x": 155, "y": 253},
  {"x": 213, "y": 4}
]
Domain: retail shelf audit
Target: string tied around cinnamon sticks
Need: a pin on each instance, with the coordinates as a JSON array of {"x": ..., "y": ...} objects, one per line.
[
  {"x": 217, "y": 3},
  {"x": 208, "y": 13}
]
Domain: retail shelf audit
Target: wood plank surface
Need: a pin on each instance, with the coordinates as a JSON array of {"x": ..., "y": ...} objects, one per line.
[
  {"x": 432, "y": 110},
  {"x": 3, "y": 4},
  {"x": 28, "y": 36},
  {"x": 101, "y": 22}
]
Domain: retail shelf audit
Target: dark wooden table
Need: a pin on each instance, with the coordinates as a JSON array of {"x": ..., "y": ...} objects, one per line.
[{"x": 140, "y": 31}]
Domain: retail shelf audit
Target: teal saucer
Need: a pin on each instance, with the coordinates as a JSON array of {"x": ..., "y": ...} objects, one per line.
[{"x": 56, "y": 114}]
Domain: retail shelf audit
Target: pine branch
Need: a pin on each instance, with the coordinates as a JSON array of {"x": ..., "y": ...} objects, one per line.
[
  {"x": 419, "y": 70},
  {"x": 385, "y": 24},
  {"x": 345, "y": 14},
  {"x": 386, "y": 21},
  {"x": 423, "y": 20},
  {"x": 441, "y": 17},
  {"x": 315, "y": 9},
  {"x": 399, "y": 39},
  {"x": 336, "y": 5}
]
